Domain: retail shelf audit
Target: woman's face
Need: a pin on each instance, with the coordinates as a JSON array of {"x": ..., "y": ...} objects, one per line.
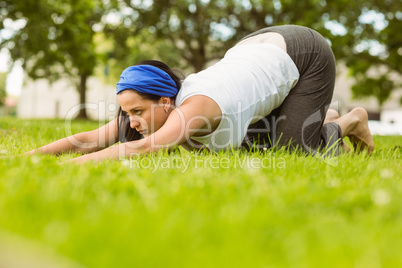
[{"x": 146, "y": 116}]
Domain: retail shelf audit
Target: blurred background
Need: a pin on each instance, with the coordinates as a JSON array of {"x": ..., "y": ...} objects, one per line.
[{"x": 56, "y": 55}]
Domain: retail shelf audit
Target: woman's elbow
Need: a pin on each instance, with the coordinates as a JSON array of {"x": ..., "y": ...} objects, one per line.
[{"x": 84, "y": 142}]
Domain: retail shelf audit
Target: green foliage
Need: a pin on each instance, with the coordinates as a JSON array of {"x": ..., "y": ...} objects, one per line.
[
  {"x": 380, "y": 87},
  {"x": 179, "y": 30},
  {"x": 3, "y": 92},
  {"x": 59, "y": 37},
  {"x": 357, "y": 47},
  {"x": 194, "y": 28},
  {"x": 294, "y": 212}
]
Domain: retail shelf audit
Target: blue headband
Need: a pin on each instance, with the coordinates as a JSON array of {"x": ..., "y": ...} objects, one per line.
[{"x": 147, "y": 79}]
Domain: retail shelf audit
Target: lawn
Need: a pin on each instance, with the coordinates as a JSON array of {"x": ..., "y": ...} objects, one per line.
[{"x": 196, "y": 210}]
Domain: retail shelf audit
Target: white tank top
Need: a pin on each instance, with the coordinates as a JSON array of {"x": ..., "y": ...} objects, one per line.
[{"x": 247, "y": 84}]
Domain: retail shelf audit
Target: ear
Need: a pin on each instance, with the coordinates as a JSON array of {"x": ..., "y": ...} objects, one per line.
[{"x": 165, "y": 103}]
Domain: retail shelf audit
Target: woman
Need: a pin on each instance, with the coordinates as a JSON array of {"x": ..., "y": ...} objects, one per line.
[{"x": 277, "y": 81}]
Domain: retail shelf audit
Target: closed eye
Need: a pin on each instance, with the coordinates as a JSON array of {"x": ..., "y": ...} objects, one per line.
[{"x": 132, "y": 112}]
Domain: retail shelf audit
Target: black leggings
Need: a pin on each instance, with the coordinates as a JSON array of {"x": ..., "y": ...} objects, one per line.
[{"x": 299, "y": 119}]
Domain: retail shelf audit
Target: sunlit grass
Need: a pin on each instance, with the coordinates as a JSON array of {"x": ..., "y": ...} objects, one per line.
[{"x": 201, "y": 210}]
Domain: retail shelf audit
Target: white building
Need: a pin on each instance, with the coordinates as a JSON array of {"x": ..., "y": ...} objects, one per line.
[{"x": 41, "y": 99}]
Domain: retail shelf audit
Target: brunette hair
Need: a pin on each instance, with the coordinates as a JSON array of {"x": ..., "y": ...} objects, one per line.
[{"x": 126, "y": 133}]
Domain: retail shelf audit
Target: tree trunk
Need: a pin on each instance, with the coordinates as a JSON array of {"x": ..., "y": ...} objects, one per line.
[
  {"x": 82, "y": 90},
  {"x": 199, "y": 59}
]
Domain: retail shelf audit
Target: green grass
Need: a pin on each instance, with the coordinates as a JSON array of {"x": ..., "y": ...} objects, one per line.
[{"x": 223, "y": 210}]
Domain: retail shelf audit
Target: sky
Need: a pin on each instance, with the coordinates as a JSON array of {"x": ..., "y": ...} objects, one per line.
[{"x": 15, "y": 77}]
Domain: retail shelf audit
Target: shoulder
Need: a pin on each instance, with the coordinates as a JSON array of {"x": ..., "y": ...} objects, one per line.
[
  {"x": 203, "y": 104},
  {"x": 201, "y": 113}
]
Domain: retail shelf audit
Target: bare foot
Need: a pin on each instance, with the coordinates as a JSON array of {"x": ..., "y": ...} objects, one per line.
[
  {"x": 331, "y": 116},
  {"x": 359, "y": 134}
]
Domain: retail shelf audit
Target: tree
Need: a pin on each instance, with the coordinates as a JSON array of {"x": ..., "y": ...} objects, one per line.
[
  {"x": 3, "y": 93},
  {"x": 57, "y": 38},
  {"x": 368, "y": 39},
  {"x": 202, "y": 30},
  {"x": 183, "y": 30},
  {"x": 377, "y": 48}
]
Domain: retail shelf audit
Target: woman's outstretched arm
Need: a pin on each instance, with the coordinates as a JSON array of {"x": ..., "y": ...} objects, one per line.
[
  {"x": 85, "y": 142},
  {"x": 198, "y": 114}
]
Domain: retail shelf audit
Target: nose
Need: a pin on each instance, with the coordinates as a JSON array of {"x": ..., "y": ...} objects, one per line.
[{"x": 133, "y": 123}]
